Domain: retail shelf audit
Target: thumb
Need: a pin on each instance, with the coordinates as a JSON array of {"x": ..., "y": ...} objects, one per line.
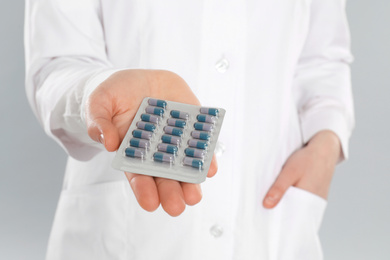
[
  {"x": 286, "y": 178},
  {"x": 102, "y": 130}
]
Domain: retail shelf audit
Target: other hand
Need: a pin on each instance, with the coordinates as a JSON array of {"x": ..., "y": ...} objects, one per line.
[{"x": 310, "y": 168}]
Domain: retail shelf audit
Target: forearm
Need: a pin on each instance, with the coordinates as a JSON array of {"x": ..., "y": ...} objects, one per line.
[{"x": 65, "y": 61}]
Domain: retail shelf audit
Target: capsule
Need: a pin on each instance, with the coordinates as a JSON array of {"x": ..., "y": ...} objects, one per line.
[
  {"x": 198, "y": 144},
  {"x": 167, "y": 148},
  {"x": 142, "y": 134},
  {"x": 154, "y": 110},
  {"x": 203, "y": 126},
  {"x": 170, "y": 139},
  {"x": 192, "y": 152},
  {"x": 157, "y": 102},
  {"x": 140, "y": 143},
  {"x": 176, "y": 122},
  {"x": 173, "y": 131},
  {"x": 135, "y": 152},
  {"x": 206, "y": 118},
  {"x": 200, "y": 135},
  {"x": 146, "y": 126},
  {"x": 196, "y": 163},
  {"x": 150, "y": 118},
  {"x": 209, "y": 111},
  {"x": 179, "y": 114},
  {"x": 163, "y": 157}
]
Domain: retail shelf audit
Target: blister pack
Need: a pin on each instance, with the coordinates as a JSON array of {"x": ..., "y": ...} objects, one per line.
[{"x": 170, "y": 140}]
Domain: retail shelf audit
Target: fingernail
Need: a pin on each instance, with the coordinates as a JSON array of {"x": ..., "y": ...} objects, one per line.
[
  {"x": 270, "y": 200},
  {"x": 101, "y": 139}
]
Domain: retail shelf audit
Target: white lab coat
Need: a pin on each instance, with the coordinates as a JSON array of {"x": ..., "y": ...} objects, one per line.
[{"x": 279, "y": 68}]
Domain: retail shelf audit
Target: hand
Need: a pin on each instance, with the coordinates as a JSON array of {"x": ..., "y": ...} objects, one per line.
[
  {"x": 110, "y": 110},
  {"x": 310, "y": 168}
]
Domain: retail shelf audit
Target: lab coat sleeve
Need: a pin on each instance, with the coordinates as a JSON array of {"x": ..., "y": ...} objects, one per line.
[
  {"x": 65, "y": 61},
  {"x": 322, "y": 84}
]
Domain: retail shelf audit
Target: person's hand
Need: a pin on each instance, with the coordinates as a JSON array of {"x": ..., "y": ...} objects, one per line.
[
  {"x": 111, "y": 108},
  {"x": 310, "y": 168}
]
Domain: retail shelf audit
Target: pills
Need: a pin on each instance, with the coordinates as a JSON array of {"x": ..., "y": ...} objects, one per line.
[
  {"x": 204, "y": 127},
  {"x": 141, "y": 143},
  {"x": 142, "y": 134},
  {"x": 197, "y": 144},
  {"x": 201, "y": 135},
  {"x": 134, "y": 152},
  {"x": 193, "y": 162},
  {"x": 176, "y": 122},
  {"x": 179, "y": 114},
  {"x": 146, "y": 126},
  {"x": 169, "y": 148},
  {"x": 170, "y": 140},
  {"x": 206, "y": 118},
  {"x": 157, "y": 102},
  {"x": 163, "y": 157},
  {"x": 155, "y": 110},
  {"x": 209, "y": 111},
  {"x": 173, "y": 131},
  {"x": 150, "y": 118},
  {"x": 195, "y": 152}
]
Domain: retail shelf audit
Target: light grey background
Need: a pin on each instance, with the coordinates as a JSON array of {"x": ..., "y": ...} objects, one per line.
[{"x": 356, "y": 224}]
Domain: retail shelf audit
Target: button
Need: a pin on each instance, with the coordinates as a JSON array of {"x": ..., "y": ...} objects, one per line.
[
  {"x": 220, "y": 148},
  {"x": 216, "y": 231},
  {"x": 222, "y": 65}
]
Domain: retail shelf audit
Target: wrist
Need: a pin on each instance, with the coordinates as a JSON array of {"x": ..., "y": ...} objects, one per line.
[{"x": 326, "y": 145}]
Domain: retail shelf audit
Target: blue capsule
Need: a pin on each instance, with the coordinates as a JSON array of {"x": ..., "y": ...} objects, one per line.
[
  {"x": 192, "y": 152},
  {"x": 154, "y": 110},
  {"x": 179, "y": 114},
  {"x": 163, "y": 157},
  {"x": 206, "y": 118},
  {"x": 204, "y": 127},
  {"x": 157, "y": 102},
  {"x": 146, "y": 126},
  {"x": 140, "y": 143},
  {"x": 173, "y": 131},
  {"x": 200, "y": 135},
  {"x": 198, "y": 144},
  {"x": 209, "y": 111},
  {"x": 193, "y": 162},
  {"x": 142, "y": 134},
  {"x": 134, "y": 152},
  {"x": 150, "y": 118},
  {"x": 176, "y": 122},
  {"x": 170, "y": 139},
  {"x": 167, "y": 148}
]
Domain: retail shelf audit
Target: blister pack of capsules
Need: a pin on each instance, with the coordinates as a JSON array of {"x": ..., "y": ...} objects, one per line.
[{"x": 170, "y": 140}]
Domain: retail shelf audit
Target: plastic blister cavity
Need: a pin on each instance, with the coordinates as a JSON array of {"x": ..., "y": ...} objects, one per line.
[{"x": 170, "y": 140}]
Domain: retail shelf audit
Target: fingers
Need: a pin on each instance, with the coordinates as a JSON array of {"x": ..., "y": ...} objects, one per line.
[
  {"x": 213, "y": 167},
  {"x": 99, "y": 117},
  {"x": 192, "y": 193},
  {"x": 171, "y": 196},
  {"x": 145, "y": 190},
  {"x": 285, "y": 179},
  {"x": 102, "y": 130}
]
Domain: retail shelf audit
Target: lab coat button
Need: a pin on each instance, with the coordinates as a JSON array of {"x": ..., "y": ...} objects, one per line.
[
  {"x": 220, "y": 148},
  {"x": 222, "y": 65},
  {"x": 216, "y": 231}
]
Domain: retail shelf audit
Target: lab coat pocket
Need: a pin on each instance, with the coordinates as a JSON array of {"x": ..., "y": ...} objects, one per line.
[
  {"x": 90, "y": 223},
  {"x": 297, "y": 220}
]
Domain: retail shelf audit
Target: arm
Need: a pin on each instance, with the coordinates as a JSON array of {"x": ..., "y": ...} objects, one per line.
[
  {"x": 81, "y": 99},
  {"x": 65, "y": 61},
  {"x": 323, "y": 96}
]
